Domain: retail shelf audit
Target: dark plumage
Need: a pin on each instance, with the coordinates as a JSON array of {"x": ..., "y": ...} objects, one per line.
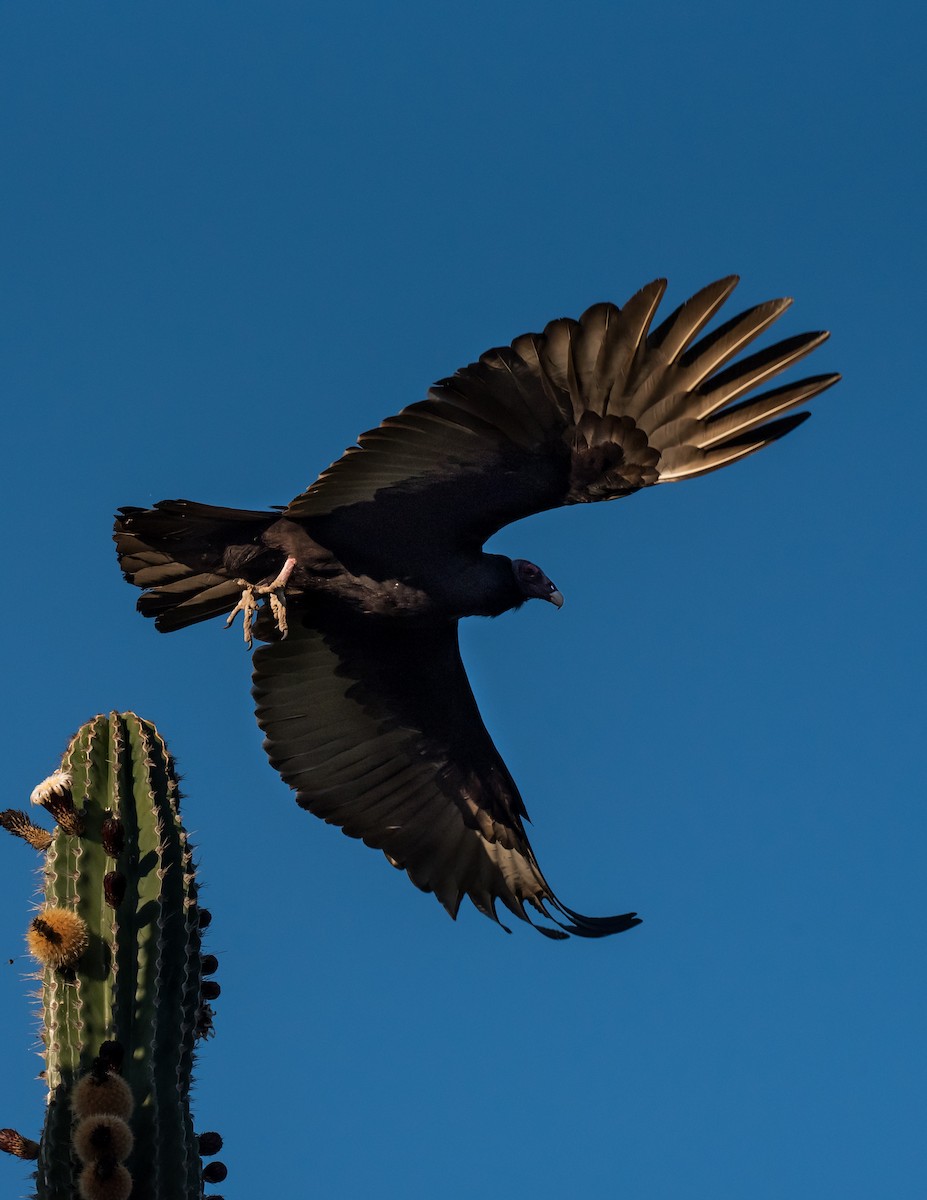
[{"x": 365, "y": 705}]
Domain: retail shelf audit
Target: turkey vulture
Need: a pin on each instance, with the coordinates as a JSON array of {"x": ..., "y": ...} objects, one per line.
[{"x": 360, "y": 688}]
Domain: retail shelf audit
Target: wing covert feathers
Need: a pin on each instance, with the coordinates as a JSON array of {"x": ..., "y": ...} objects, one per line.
[
  {"x": 590, "y": 409},
  {"x": 378, "y": 732}
]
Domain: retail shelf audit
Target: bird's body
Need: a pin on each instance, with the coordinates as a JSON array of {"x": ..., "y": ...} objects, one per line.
[{"x": 365, "y": 704}]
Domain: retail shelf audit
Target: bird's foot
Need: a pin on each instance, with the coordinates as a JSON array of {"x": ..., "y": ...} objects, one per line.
[{"x": 275, "y": 591}]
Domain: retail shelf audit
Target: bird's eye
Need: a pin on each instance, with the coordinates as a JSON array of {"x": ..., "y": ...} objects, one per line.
[{"x": 530, "y": 572}]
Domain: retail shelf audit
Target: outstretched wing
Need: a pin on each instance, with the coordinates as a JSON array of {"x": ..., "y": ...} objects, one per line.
[
  {"x": 588, "y": 410},
  {"x": 374, "y": 725}
]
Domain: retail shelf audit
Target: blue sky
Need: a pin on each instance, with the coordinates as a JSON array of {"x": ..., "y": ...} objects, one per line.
[{"x": 233, "y": 237}]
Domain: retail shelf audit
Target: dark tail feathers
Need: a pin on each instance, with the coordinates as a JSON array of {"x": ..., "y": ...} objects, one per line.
[{"x": 189, "y": 557}]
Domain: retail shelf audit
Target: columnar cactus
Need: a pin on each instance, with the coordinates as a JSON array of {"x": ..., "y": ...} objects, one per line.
[{"x": 123, "y": 995}]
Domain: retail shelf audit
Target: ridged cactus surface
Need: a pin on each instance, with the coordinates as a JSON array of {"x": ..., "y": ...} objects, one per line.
[{"x": 122, "y": 982}]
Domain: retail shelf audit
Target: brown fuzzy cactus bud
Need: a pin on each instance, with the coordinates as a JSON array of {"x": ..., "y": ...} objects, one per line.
[
  {"x": 14, "y": 821},
  {"x": 114, "y": 888},
  {"x": 102, "y": 1136},
  {"x": 113, "y": 835},
  {"x": 110, "y": 1058},
  {"x": 210, "y": 1143},
  {"x": 57, "y": 937},
  {"x": 12, "y": 1142},
  {"x": 107, "y": 1093},
  {"x": 104, "y": 1181}
]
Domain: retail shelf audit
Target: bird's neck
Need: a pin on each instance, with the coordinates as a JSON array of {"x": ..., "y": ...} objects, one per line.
[{"x": 485, "y": 587}]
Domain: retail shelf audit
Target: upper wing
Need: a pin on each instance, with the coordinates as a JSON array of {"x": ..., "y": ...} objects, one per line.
[
  {"x": 374, "y": 725},
  {"x": 587, "y": 410}
]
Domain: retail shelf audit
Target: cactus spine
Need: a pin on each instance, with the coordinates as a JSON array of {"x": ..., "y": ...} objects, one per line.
[{"x": 131, "y": 1004}]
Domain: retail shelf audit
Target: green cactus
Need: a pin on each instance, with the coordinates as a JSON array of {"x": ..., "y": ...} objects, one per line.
[{"x": 123, "y": 995}]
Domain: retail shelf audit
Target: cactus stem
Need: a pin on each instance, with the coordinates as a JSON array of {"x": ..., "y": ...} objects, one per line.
[{"x": 119, "y": 937}]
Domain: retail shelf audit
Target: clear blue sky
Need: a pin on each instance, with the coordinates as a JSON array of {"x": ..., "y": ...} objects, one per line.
[{"x": 236, "y": 235}]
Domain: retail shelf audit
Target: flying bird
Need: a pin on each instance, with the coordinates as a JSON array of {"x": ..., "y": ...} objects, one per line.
[{"x": 357, "y": 586}]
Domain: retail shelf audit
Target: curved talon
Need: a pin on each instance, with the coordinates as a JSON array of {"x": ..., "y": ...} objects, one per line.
[
  {"x": 277, "y": 599},
  {"x": 248, "y": 604}
]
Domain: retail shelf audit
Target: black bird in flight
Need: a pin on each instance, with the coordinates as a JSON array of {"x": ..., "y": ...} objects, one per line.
[{"x": 360, "y": 689}]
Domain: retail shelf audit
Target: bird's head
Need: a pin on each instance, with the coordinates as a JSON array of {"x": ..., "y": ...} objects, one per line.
[{"x": 534, "y": 584}]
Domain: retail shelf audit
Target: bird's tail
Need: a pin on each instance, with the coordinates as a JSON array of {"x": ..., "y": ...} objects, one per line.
[{"x": 190, "y": 558}]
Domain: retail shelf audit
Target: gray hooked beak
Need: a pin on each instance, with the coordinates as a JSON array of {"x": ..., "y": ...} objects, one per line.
[{"x": 556, "y": 597}]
